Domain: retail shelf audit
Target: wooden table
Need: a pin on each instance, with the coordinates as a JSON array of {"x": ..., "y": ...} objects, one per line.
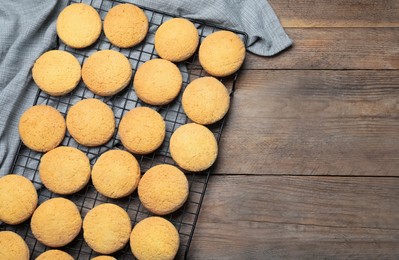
[{"x": 309, "y": 159}]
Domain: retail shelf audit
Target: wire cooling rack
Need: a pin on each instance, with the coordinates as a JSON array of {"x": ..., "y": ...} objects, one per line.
[{"x": 27, "y": 161}]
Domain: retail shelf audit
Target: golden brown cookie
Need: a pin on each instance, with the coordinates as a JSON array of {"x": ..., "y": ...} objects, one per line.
[
  {"x": 206, "y": 100},
  {"x": 116, "y": 174},
  {"x": 142, "y": 130},
  {"x": 176, "y": 40},
  {"x": 91, "y": 122},
  {"x": 154, "y": 238},
  {"x": 64, "y": 170},
  {"x": 56, "y": 72},
  {"x": 221, "y": 53},
  {"x": 13, "y": 247},
  {"x": 163, "y": 189},
  {"x": 106, "y": 228},
  {"x": 18, "y": 199},
  {"x": 54, "y": 255},
  {"x": 193, "y": 147},
  {"x": 41, "y": 128},
  {"x": 106, "y": 72},
  {"x": 125, "y": 25},
  {"x": 56, "y": 222},
  {"x": 157, "y": 82},
  {"x": 104, "y": 257},
  {"x": 79, "y": 25}
]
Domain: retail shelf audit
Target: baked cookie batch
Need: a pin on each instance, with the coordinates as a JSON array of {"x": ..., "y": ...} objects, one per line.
[{"x": 116, "y": 174}]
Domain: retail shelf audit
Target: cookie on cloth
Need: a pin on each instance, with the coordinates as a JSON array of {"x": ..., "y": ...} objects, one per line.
[
  {"x": 176, "y": 40},
  {"x": 142, "y": 130},
  {"x": 64, "y": 170},
  {"x": 193, "y": 147},
  {"x": 79, "y": 25},
  {"x": 206, "y": 100},
  {"x": 106, "y": 228},
  {"x": 125, "y": 25},
  {"x": 157, "y": 82},
  {"x": 163, "y": 189},
  {"x": 106, "y": 72},
  {"x": 54, "y": 254},
  {"x": 154, "y": 238},
  {"x": 56, "y": 72},
  {"x": 18, "y": 199},
  {"x": 91, "y": 122},
  {"x": 56, "y": 222},
  {"x": 116, "y": 174},
  {"x": 221, "y": 53},
  {"x": 12, "y": 246},
  {"x": 41, "y": 128}
]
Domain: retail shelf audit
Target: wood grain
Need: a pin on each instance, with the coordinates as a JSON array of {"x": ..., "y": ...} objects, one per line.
[
  {"x": 312, "y": 122},
  {"x": 337, "y": 13},
  {"x": 266, "y": 217},
  {"x": 335, "y": 48}
]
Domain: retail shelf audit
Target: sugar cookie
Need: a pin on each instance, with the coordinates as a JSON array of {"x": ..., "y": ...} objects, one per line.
[
  {"x": 176, "y": 40},
  {"x": 221, "y": 53},
  {"x": 18, "y": 199},
  {"x": 205, "y": 100},
  {"x": 125, "y": 25},
  {"x": 42, "y": 128},
  {"x": 79, "y": 25},
  {"x": 54, "y": 254},
  {"x": 106, "y": 72},
  {"x": 106, "y": 228},
  {"x": 56, "y": 222},
  {"x": 154, "y": 238},
  {"x": 193, "y": 147},
  {"x": 91, "y": 122},
  {"x": 163, "y": 189},
  {"x": 56, "y": 72},
  {"x": 157, "y": 82},
  {"x": 142, "y": 130},
  {"x": 116, "y": 174},
  {"x": 64, "y": 170},
  {"x": 12, "y": 246},
  {"x": 104, "y": 257}
]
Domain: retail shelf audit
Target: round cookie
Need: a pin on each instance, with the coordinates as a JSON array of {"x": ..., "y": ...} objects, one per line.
[
  {"x": 91, "y": 122},
  {"x": 12, "y": 246},
  {"x": 157, "y": 82},
  {"x": 18, "y": 199},
  {"x": 106, "y": 72},
  {"x": 56, "y": 222},
  {"x": 142, "y": 130},
  {"x": 125, "y": 25},
  {"x": 41, "y": 128},
  {"x": 116, "y": 174},
  {"x": 56, "y": 72},
  {"x": 193, "y": 147},
  {"x": 176, "y": 40},
  {"x": 106, "y": 228},
  {"x": 54, "y": 254},
  {"x": 64, "y": 170},
  {"x": 104, "y": 257},
  {"x": 206, "y": 100},
  {"x": 79, "y": 25},
  {"x": 154, "y": 238},
  {"x": 163, "y": 189},
  {"x": 222, "y": 53}
]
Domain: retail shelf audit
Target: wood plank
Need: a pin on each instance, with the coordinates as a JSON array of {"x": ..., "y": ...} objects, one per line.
[
  {"x": 266, "y": 217},
  {"x": 338, "y": 13},
  {"x": 335, "y": 48},
  {"x": 313, "y": 122}
]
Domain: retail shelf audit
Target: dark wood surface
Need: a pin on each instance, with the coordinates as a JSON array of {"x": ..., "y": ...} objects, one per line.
[{"x": 309, "y": 158}]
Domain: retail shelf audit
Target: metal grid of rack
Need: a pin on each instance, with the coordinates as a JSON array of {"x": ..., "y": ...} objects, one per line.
[{"x": 27, "y": 161}]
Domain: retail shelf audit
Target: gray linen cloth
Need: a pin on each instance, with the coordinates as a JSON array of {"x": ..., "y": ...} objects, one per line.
[{"x": 27, "y": 29}]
